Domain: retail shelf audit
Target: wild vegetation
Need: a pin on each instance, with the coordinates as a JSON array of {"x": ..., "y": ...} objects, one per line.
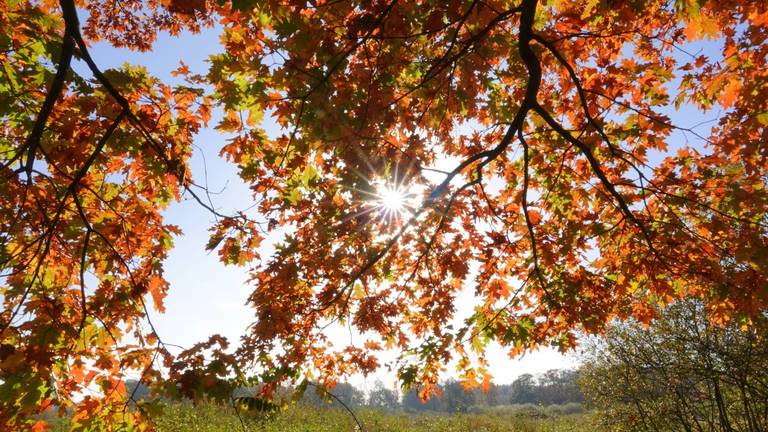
[
  {"x": 217, "y": 418},
  {"x": 682, "y": 373},
  {"x": 435, "y": 176},
  {"x": 529, "y": 404}
]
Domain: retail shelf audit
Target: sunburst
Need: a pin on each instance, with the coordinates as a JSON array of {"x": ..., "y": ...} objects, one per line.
[
  {"x": 389, "y": 200},
  {"x": 393, "y": 201}
]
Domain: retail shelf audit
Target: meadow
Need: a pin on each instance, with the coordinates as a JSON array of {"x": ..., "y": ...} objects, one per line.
[
  {"x": 307, "y": 418},
  {"x": 304, "y": 418}
]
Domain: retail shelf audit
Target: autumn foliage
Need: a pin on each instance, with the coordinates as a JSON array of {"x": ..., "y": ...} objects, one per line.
[{"x": 571, "y": 198}]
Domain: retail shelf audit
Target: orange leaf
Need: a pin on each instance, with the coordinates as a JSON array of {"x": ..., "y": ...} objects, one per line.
[
  {"x": 183, "y": 69},
  {"x": 534, "y": 216},
  {"x": 157, "y": 287},
  {"x": 486, "y": 382},
  {"x": 40, "y": 426}
]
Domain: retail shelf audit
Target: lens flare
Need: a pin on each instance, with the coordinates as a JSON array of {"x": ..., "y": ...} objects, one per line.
[
  {"x": 392, "y": 199},
  {"x": 392, "y": 202}
]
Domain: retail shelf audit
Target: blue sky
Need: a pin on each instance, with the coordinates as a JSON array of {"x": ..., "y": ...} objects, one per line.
[{"x": 207, "y": 297}]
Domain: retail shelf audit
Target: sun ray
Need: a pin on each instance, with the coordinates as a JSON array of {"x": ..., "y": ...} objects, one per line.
[{"x": 393, "y": 201}]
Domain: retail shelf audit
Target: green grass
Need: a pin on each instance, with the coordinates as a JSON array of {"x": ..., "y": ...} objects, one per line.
[
  {"x": 300, "y": 418},
  {"x": 184, "y": 417}
]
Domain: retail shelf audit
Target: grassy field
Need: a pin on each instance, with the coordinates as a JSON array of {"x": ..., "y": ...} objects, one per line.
[
  {"x": 308, "y": 418},
  {"x": 209, "y": 418}
]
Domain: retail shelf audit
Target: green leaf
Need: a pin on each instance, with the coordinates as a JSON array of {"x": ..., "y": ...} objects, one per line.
[
  {"x": 299, "y": 391},
  {"x": 256, "y": 404},
  {"x": 308, "y": 175},
  {"x": 294, "y": 196}
]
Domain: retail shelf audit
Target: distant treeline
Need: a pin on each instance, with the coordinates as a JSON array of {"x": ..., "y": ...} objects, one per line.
[{"x": 555, "y": 387}]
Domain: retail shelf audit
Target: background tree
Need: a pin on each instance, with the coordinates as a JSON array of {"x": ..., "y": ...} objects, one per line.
[
  {"x": 550, "y": 113},
  {"x": 349, "y": 395},
  {"x": 554, "y": 387},
  {"x": 523, "y": 390},
  {"x": 138, "y": 389},
  {"x": 456, "y": 398},
  {"x": 559, "y": 386},
  {"x": 682, "y": 373},
  {"x": 383, "y": 398}
]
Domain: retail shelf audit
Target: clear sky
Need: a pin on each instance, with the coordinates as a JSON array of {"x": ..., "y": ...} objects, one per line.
[{"x": 207, "y": 297}]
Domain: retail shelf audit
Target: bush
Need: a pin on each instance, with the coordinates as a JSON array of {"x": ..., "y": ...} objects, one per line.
[{"x": 681, "y": 373}]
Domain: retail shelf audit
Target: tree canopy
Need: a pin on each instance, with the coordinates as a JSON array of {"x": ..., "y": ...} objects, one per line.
[{"x": 573, "y": 198}]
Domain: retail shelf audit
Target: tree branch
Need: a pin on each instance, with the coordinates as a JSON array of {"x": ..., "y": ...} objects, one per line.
[
  {"x": 528, "y": 222},
  {"x": 57, "y": 86}
]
